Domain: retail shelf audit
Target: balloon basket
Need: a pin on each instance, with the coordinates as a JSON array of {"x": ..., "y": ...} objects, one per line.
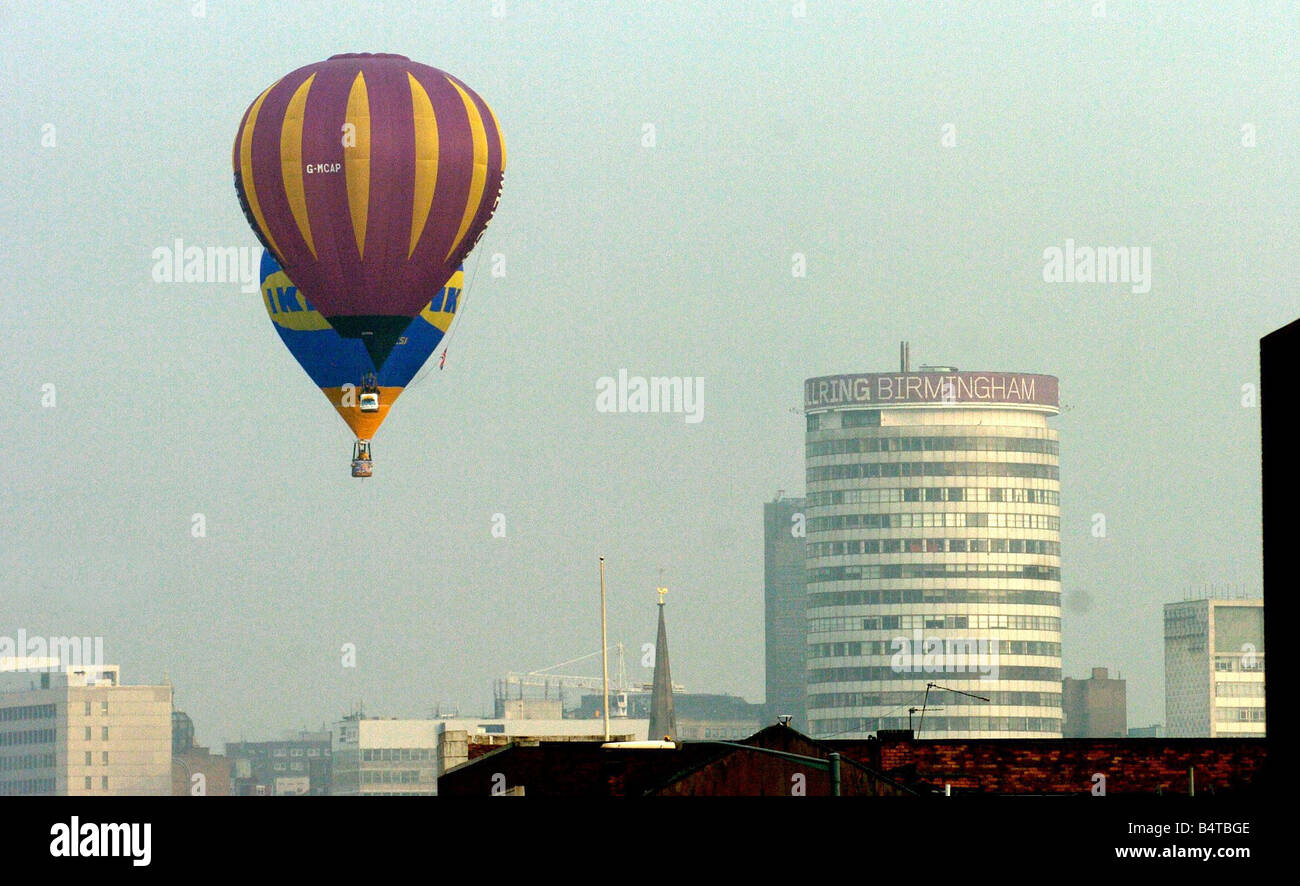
[{"x": 362, "y": 464}]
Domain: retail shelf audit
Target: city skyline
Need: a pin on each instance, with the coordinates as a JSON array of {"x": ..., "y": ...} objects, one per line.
[{"x": 809, "y": 191}]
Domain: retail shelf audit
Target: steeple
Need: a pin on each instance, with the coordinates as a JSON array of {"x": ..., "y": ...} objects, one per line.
[{"x": 663, "y": 722}]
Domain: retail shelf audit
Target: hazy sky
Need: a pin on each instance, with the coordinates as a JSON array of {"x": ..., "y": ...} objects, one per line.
[{"x": 775, "y": 133}]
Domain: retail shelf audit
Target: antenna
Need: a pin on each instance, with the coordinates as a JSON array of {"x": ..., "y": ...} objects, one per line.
[{"x": 928, "y": 687}]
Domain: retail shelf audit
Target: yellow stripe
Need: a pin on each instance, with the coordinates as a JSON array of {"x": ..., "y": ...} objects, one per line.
[
  {"x": 479, "y": 179},
  {"x": 246, "y": 168},
  {"x": 426, "y": 160},
  {"x": 291, "y": 160},
  {"x": 501, "y": 136},
  {"x": 356, "y": 160}
]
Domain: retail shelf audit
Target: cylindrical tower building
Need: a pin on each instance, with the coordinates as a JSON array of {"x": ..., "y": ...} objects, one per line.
[{"x": 933, "y": 532}]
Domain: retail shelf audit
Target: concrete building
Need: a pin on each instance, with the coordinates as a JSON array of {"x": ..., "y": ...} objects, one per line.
[
  {"x": 392, "y": 757},
  {"x": 1214, "y": 668},
  {"x": 785, "y": 623},
  {"x": 698, "y": 715},
  {"x": 933, "y": 555},
  {"x": 78, "y": 732},
  {"x": 1096, "y": 707},
  {"x": 301, "y": 763}
]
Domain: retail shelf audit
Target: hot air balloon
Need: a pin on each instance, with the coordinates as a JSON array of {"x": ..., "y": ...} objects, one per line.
[
  {"x": 341, "y": 367},
  {"x": 369, "y": 178}
]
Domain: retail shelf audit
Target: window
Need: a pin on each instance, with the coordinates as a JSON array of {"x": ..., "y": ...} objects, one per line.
[
  {"x": 104, "y": 733},
  {"x": 87, "y": 709},
  {"x": 103, "y": 782},
  {"x": 103, "y": 758},
  {"x": 88, "y": 783},
  {"x": 862, "y": 418},
  {"x": 87, "y": 733},
  {"x": 88, "y": 761},
  {"x": 103, "y": 706}
]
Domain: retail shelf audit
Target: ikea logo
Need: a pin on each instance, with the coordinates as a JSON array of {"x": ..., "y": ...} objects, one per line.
[
  {"x": 280, "y": 299},
  {"x": 445, "y": 300}
]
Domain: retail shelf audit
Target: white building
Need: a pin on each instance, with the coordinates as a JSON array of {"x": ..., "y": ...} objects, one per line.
[
  {"x": 933, "y": 554},
  {"x": 1214, "y": 668},
  {"x": 378, "y": 757},
  {"x": 78, "y": 732}
]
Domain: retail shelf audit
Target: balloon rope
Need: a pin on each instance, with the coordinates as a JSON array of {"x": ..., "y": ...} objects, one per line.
[{"x": 457, "y": 322}]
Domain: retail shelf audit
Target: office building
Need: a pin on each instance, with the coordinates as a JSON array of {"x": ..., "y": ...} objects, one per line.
[
  {"x": 77, "y": 731},
  {"x": 785, "y": 623},
  {"x": 1214, "y": 668},
  {"x": 1096, "y": 707},
  {"x": 392, "y": 757},
  {"x": 933, "y": 556},
  {"x": 300, "y": 764}
]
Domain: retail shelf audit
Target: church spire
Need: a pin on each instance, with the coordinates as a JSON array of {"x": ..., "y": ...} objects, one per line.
[{"x": 663, "y": 722}]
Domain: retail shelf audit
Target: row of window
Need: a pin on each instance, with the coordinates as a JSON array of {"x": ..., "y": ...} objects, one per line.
[
  {"x": 859, "y": 470},
  {"x": 890, "y": 647},
  {"x": 27, "y": 761},
  {"x": 934, "y": 570},
  {"x": 935, "y": 546},
  {"x": 1242, "y": 663},
  {"x": 396, "y": 755},
  {"x": 936, "y": 724},
  {"x": 26, "y": 736},
  {"x": 934, "y": 595},
  {"x": 894, "y": 699},
  {"x": 103, "y": 733},
  {"x": 925, "y": 621},
  {"x": 27, "y": 712},
  {"x": 1239, "y": 690},
  {"x": 1239, "y": 715},
  {"x": 103, "y": 758},
  {"x": 103, "y": 707},
  {"x": 390, "y": 776},
  {"x": 103, "y": 782},
  {"x": 26, "y": 786},
  {"x": 888, "y": 674},
  {"x": 278, "y": 751},
  {"x": 933, "y": 444},
  {"x": 896, "y": 494},
  {"x": 933, "y": 519}
]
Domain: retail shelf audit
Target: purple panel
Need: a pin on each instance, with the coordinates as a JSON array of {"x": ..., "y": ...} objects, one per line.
[{"x": 383, "y": 282}]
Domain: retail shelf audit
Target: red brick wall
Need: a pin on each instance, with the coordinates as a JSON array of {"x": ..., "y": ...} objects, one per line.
[{"x": 1037, "y": 766}]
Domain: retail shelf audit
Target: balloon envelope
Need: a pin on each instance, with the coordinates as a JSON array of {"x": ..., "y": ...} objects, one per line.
[
  {"x": 333, "y": 361},
  {"x": 369, "y": 178}
]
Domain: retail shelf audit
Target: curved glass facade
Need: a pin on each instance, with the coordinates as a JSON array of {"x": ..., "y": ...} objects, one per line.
[{"x": 933, "y": 556}]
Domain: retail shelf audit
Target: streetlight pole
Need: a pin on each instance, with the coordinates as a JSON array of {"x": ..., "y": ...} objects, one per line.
[{"x": 604, "y": 653}]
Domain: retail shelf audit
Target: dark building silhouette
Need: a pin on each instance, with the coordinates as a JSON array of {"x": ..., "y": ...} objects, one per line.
[
  {"x": 1096, "y": 707},
  {"x": 785, "y": 624}
]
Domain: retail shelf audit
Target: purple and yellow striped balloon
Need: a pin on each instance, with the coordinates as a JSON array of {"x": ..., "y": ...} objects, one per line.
[{"x": 369, "y": 178}]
